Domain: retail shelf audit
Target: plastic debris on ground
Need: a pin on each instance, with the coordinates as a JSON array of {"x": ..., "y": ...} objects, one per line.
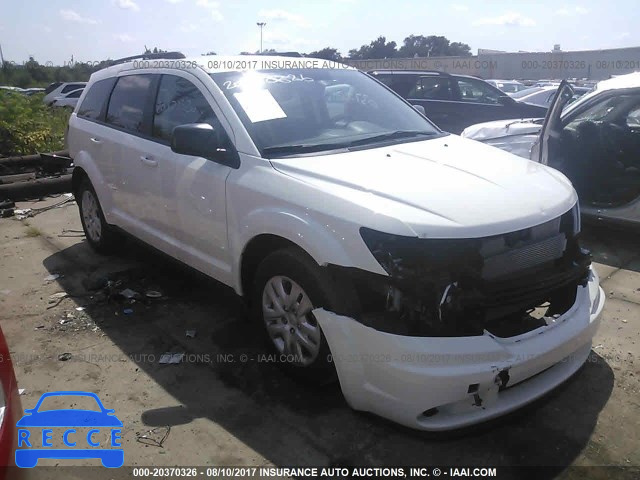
[
  {"x": 57, "y": 296},
  {"x": 153, "y": 294},
  {"x": 190, "y": 333},
  {"x": 52, "y": 277},
  {"x": 170, "y": 358},
  {"x": 63, "y": 357},
  {"x": 129, "y": 294},
  {"x": 21, "y": 391},
  {"x": 127, "y": 311}
]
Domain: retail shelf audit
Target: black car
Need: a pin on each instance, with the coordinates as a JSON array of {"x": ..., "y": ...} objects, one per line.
[{"x": 454, "y": 102}]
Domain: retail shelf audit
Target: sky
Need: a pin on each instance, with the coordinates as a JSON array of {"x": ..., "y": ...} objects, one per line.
[{"x": 93, "y": 30}]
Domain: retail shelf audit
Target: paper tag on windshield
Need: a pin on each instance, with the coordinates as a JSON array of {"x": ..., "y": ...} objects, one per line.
[{"x": 259, "y": 105}]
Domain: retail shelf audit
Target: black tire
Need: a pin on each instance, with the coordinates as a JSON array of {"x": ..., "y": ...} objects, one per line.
[
  {"x": 107, "y": 240},
  {"x": 323, "y": 291}
]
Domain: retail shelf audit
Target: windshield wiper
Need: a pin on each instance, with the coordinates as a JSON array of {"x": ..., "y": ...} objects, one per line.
[
  {"x": 392, "y": 136},
  {"x": 316, "y": 147},
  {"x": 303, "y": 148}
]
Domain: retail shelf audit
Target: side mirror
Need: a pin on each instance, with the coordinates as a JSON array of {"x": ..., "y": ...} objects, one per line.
[
  {"x": 202, "y": 140},
  {"x": 420, "y": 109},
  {"x": 505, "y": 100}
]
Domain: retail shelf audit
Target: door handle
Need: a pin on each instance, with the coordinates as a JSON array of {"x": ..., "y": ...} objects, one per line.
[
  {"x": 96, "y": 140},
  {"x": 149, "y": 161}
]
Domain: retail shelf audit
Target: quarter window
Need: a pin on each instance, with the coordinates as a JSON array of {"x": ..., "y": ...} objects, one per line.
[
  {"x": 126, "y": 106},
  {"x": 179, "y": 102}
]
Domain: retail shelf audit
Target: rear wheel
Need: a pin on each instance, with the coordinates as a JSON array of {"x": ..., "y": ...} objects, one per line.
[
  {"x": 288, "y": 286},
  {"x": 100, "y": 235}
]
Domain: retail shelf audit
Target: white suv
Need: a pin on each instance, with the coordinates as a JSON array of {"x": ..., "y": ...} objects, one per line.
[{"x": 440, "y": 279}]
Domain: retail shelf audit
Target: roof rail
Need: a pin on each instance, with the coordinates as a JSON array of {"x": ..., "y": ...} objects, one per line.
[
  {"x": 149, "y": 56},
  {"x": 282, "y": 54},
  {"x": 412, "y": 72}
]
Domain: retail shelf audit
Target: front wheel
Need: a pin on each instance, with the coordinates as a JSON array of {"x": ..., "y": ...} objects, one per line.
[{"x": 288, "y": 286}]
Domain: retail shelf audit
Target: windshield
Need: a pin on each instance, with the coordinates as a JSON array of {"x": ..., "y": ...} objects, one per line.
[
  {"x": 526, "y": 91},
  {"x": 511, "y": 87},
  {"x": 296, "y": 111}
]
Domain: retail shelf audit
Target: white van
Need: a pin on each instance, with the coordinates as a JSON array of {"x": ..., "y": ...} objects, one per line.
[{"x": 440, "y": 280}]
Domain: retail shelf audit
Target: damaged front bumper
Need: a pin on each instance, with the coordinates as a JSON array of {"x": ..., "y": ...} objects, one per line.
[{"x": 444, "y": 383}]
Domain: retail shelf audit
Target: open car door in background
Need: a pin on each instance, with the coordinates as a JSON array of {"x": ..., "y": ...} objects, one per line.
[{"x": 549, "y": 139}]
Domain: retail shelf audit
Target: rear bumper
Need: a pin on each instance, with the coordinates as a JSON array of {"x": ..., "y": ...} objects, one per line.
[{"x": 401, "y": 378}]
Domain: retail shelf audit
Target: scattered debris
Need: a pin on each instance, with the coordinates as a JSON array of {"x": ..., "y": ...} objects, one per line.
[
  {"x": 80, "y": 309},
  {"x": 63, "y": 357},
  {"x": 38, "y": 327},
  {"x": 129, "y": 294},
  {"x": 52, "y": 277},
  {"x": 170, "y": 358},
  {"x": 64, "y": 321},
  {"x": 21, "y": 391},
  {"x": 153, "y": 294},
  {"x": 624, "y": 320},
  {"x": 57, "y": 297},
  {"x": 127, "y": 311},
  {"x": 155, "y": 437},
  {"x": 598, "y": 346},
  {"x": 190, "y": 333},
  {"x": 6, "y": 212}
]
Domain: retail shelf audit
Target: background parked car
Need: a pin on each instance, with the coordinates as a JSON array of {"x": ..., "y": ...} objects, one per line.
[
  {"x": 543, "y": 96},
  {"x": 57, "y": 89},
  {"x": 595, "y": 142},
  {"x": 453, "y": 102},
  {"x": 507, "y": 86},
  {"x": 68, "y": 100}
]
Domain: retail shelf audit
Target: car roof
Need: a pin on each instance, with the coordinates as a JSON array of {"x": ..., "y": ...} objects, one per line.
[
  {"x": 225, "y": 63},
  {"x": 629, "y": 80},
  {"x": 503, "y": 81}
]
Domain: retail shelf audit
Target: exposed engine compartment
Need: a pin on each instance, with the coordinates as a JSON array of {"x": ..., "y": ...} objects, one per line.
[{"x": 505, "y": 284}]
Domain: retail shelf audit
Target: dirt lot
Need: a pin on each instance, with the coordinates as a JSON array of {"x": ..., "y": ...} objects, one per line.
[{"x": 220, "y": 408}]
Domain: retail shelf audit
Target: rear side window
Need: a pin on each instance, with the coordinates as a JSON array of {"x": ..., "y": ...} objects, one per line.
[
  {"x": 179, "y": 102},
  {"x": 128, "y": 100},
  {"x": 96, "y": 98},
  {"x": 432, "y": 88},
  {"x": 71, "y": 87}
]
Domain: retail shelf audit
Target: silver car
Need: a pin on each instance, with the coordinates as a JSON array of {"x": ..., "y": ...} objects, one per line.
[{"x": 595, "y": 142}]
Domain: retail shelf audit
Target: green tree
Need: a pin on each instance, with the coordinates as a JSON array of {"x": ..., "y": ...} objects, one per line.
[
  {"x": 327, "y": 53},
  {"x": 379, "y": 48}
]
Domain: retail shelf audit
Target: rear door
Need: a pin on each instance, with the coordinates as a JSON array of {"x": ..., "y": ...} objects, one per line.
[{"x": 129, "y": 113}]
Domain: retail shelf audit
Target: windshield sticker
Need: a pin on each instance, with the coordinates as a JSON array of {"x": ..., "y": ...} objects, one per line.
[
  {"x": 259, "y": 105},
  {"x": 233, "y": 84}
]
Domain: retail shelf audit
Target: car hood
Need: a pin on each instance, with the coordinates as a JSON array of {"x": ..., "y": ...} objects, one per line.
[
  {"x": 443, "y": 187},
  {"x": 503, "y": 128}
]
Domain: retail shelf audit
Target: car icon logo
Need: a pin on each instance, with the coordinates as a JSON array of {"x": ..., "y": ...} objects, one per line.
[{"x": 32, "y": 446}]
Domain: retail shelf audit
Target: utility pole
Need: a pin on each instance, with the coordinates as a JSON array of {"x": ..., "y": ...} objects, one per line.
[
  {"x": 1, "y": 57},
  {"x": 261, "y": 25}
]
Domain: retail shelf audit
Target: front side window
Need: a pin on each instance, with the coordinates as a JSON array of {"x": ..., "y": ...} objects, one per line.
[
  {"x": 477, "y": 91},
  {"x": 179, "y": 102},
  {"x": 75, "y": 94},
  {"x": 128, "y": 99},
  {"x": 294, "y": 111},
  {"x": 95, "y": 99}
]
